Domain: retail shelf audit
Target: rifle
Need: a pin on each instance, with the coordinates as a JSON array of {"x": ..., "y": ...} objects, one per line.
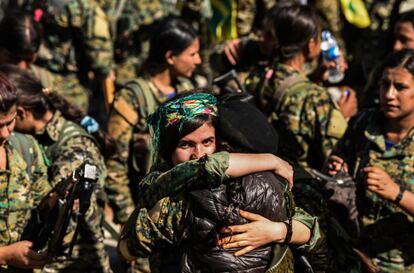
[
  {"x": 224, "y": 82},
  {"x": 51, "y": 219}
]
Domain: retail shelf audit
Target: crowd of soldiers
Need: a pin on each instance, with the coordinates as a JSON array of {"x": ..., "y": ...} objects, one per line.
[{"x": 97, "y": 81}]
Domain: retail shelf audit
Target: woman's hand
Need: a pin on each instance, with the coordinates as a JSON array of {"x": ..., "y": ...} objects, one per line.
[
  {"x": 379, "y": 182},
  {"x": 334, "y": 164},
  {"x": 20, "y": 255},
  {"x": 232, "y": 51},
  {"x": 348, "y": 103},
  {"x": 259, "y": 232},
  {"x": 284, "y": 169}
]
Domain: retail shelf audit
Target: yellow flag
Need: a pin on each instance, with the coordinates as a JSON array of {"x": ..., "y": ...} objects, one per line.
[{"x": 356, "y": 13}]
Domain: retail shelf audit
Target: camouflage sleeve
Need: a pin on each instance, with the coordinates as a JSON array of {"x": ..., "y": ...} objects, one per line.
[
  {"x": 316, "y": 249},
  {"x": 207, "y": 172},
  {"x": 317, "y": 237},
  {"x": 70, "y": 156},
  {"x": 121, "y": 122},
  {"x": 148, "y": 230},
  {"x": 321, "y": 120},
  {"x": 41, "y": 186},
  {"x": 96, "y": 41}
]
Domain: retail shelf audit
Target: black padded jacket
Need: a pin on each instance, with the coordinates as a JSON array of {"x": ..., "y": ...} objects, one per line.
[{"x": 263, "y": 193}]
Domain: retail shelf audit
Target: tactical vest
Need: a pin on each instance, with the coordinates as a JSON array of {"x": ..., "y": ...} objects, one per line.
[
  {"x": 69, "y": 130},
  {"x": 23, "y": 145},
  {"x": 141, "y": 150},
  {"x": 291, "y": 149}
]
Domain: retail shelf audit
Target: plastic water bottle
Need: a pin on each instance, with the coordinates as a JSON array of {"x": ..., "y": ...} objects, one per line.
[{"x": 330, "y": 52}]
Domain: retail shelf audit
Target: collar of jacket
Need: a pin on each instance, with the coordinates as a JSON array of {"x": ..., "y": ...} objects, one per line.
[
  {"x": 375, "y": 134},
  {"x": 55, "y": 126}
]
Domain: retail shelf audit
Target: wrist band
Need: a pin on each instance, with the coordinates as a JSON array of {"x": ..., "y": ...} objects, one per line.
[
  {"x": 400, "y": 195},
  {"x": 288, "y": 233}
]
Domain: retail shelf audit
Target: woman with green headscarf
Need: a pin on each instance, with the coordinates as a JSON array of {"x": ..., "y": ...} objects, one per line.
[{"x": 185, "y": 138}]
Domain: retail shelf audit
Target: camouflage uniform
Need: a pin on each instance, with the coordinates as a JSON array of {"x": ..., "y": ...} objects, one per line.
[
  {"x": 131, "y": 29},
  {"x": 156, "y": 232},
  {"x": 308, "y": 112},
  {"x": 76, "y": 47},
  {"x": 126, "y": 120},
  {"x": 66, "y": 146},
  {"x": 386, "y": 234},
  {"x": 21, "y": 187}
]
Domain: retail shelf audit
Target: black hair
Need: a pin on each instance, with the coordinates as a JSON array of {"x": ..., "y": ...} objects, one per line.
[
  {"x": 407, "y": 16},
  {"x": 294, "y": 26},
  {"x": 8, "y": 94},
  {"x": 170, "y": 35},
  {"x": 32, "y": 96},
  {"x": 403, "y": 58},
  {"x": 20, "y": 37}
]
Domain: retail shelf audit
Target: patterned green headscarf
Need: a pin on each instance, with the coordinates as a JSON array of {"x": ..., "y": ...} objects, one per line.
[{"x": 178, "y": 111}]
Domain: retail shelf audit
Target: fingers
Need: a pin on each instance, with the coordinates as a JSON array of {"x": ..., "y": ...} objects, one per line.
[
  {"x": 373, "y": 188},
  {"x": 36, "y": 256},
  {"x": 244, "y": 251},
  {"x": 373, "y": 174},
  {"x": 232, "y": 241},
  {"x": 231, "y": 51},
  {"x": 335, "y": 164},
  {"x": 285, "y": 170},
  {"x": 234, "y": 229},
  {"x": 250, "y": 216}
]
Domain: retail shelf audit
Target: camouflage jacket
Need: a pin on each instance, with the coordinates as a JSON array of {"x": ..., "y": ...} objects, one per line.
[
  {"x": 126, "y": 120},
  {"x": 386, "y": 234},
  {"x": 77, "y": 37},
  {"x": 131, "y": 29},
  {"x": 156, "y": 232},
  {"x": 66, "y": 146},
  {"x": 307, "y": 111},
  {"x": 19, "y": 191}
]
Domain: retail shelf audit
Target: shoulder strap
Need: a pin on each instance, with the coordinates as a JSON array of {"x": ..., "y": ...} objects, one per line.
[
  {"x": 69, "y": 131},
  {"x": 145, "y": 98},
  {"x": 284, "y": 85},
  {"x": 23, "y": 144}
]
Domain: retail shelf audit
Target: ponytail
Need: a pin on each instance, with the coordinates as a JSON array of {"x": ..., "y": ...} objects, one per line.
[{"x": 33, "y": 97}]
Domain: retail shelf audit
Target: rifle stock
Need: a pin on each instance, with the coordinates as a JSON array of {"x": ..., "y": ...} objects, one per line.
[{"x": 49, "y": 224}]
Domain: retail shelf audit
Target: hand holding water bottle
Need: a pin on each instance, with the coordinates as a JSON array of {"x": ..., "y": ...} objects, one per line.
[{"x": 330, "y": 53}]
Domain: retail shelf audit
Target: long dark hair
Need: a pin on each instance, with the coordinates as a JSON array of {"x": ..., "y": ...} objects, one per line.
[
  {"x": 170, "y": 35},
  {"x": 32, "y": 96},
  {"x": 8, "y": 94},
  {"x": 294, "y": 26},
  {"x": 20, "y": 37}
]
